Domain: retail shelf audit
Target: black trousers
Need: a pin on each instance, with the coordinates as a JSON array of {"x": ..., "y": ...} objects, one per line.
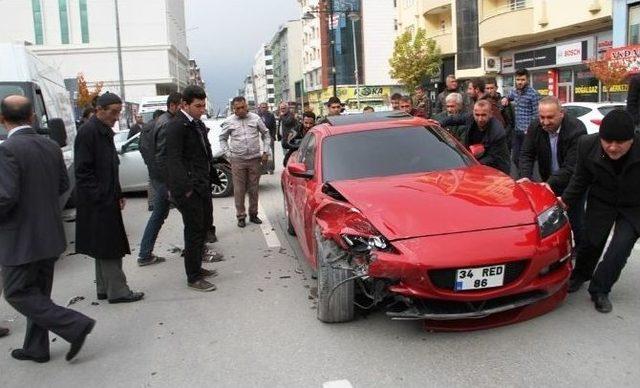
[
  {"x": 208, "y": 210},
  {"x": 614, "y": 260},
  {"x": 28, "y": 290},
  {"x": 195, "y": 217}
]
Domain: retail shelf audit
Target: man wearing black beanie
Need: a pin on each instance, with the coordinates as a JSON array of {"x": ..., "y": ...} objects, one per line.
[{"x": 608, "y": 169}]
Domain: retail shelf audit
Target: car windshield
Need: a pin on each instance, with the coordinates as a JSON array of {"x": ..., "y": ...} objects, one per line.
[
  {"x": 7, "y": 90},
  {"x": 387, "y": 152},
  {"x": 606, "y": 109}
]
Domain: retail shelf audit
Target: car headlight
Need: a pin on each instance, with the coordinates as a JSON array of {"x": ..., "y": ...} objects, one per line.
[
  {"x": 551, "y": 220},
  {"x": 365, "y": 244}
]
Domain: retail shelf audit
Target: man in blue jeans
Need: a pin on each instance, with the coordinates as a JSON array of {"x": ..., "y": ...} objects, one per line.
[{"x": 153, "y": 149}]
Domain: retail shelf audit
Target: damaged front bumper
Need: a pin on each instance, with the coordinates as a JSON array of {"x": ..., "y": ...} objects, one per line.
[{"x": 450, "y": 310}]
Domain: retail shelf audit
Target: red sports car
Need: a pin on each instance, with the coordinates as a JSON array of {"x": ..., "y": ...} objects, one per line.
[{"x": 396, "y": 214}]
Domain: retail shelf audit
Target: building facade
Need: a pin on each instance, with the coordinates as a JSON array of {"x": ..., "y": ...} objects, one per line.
[
  {"x": 79, "y": 36},
  {"x": 312, "y": 44},
  {"x": 263, "y": 77},
  {"x": 552, "y": 39},
  {"x": 195, "y": 78},
  {"x": 286, "y": 49}
]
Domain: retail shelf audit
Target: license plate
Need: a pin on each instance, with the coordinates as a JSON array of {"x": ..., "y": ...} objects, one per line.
[{"x": 479, "y": 278}]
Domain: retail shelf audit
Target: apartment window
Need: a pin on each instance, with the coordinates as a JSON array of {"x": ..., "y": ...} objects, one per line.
[
  {"x": 37, "y": 21},
  {"x": 84, "y": 21},
  {"x": 634, "y": 25},
  {"x": 64, "y": 21}
]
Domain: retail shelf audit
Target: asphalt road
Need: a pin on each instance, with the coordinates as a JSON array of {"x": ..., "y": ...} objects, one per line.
[{"x": 259, "y": 328}]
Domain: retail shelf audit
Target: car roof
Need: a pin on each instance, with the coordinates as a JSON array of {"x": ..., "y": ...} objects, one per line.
[
  {"x": 593, "y": 104},
  {"x": 367, "y": 117},
  {"x": 370, "y": 125}
]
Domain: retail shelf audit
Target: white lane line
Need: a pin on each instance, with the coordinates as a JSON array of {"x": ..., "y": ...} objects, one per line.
[
  {"x": 268, "y": 231},
  {"x": 337, "y": 384}
]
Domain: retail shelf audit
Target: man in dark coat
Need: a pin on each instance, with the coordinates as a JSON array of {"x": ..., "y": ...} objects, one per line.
[
  {"x": 287, "y": 122},
  {"x": 136, "y": 128},
  {"x": 552, "y": 141},
  {"x": 33, "y": 175},
  {"x": 633, "y": 99},
  {"x": 608, "y": 170},
  {"x": 482, "y": 128},
  {"x": 270, "y": 122},
  {"x": 99, "y": 228},
  {"x": 189, "y": 181},
  {"x": 292, "y": 143}
]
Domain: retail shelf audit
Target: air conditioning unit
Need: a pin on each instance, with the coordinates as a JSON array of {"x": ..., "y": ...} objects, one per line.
[{"x": 492, "y": 64}]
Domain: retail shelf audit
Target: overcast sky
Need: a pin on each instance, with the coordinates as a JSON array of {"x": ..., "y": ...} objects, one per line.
[{"x": 224, "y": 36}]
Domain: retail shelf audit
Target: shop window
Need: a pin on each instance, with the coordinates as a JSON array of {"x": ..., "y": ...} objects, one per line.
[
  {"x": 586, "y": 86},
  {"x": 634, "y": 25},
  {"x": 540, "y": 82},
  {"x": 565, "y": 76}
]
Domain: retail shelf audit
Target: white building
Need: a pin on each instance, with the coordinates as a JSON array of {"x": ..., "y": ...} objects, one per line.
[
  {"x": 378, "y": 36},
  {"x": 263, "y": 76},
  {"x": 79, "y": 36},
  {"x": 286, "y": 49},
  {"x": 311, "y": 47}
]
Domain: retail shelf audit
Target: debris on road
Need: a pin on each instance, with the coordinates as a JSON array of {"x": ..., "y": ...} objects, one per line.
[
  {"x": 75, "y": 300},
  {"x": 260, "y": 289},
  {"x": 285, "y": 277},
  {"x": 95, "y": 304}
]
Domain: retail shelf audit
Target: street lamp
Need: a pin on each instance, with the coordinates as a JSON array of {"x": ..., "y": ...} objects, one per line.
[{"x": 354, "y": 17}]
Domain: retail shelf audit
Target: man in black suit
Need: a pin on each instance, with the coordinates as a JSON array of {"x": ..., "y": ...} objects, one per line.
[
  {"x": 100, "y": 230},
  {"x": 608, "y": 171},
  {"x": 552, "y": 140},
  {"x": 32, "y": 178},
  {"x": 189, "y": 181}
]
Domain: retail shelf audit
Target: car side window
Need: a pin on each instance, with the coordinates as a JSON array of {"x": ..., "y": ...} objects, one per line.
[
  {"x": 576, "y": 111},
  {"x": 133, "y": 145},
  {"x": 307, "y": 151}
]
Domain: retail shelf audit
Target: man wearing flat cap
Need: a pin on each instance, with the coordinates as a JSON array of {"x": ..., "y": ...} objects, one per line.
[
  {"x": 99, "y": 202},
  {"x": 608, "y": 170}
]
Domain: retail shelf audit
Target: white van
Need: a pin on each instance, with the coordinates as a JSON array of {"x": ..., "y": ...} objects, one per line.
[
  {"x": 25, "y": 74},
  {"x": 148, "y": 105}
]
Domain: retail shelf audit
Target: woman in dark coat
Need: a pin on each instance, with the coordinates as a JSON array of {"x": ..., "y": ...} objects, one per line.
[{"x": 100, "y": 231}]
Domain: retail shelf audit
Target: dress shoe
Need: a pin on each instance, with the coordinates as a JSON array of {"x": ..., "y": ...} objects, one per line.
[
  {"x": 575, "y": 284},
  {"x": 208, "y": 273},
  {"x": 4, "y": 331},
  {"x": 77, "y": 345},
  {"x": 602, "y": 303},
  {"x": 153, "y": 259},
  {"x": 19, "y": 354},
  {"x": 101, "y": 296},
  {"x": 132, "y": 297},
  {"x": 255, "y": 219},
  {"x": 241, "y": 223},
  {"x": 202, "y": 285},
  {"x": 211, "y": 238}
]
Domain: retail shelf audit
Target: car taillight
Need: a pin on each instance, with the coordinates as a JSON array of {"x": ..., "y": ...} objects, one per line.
[{"x": 596, "y": 121}]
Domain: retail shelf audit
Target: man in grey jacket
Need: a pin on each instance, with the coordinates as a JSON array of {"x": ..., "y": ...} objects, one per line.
[{"x": 240, "y": 139}]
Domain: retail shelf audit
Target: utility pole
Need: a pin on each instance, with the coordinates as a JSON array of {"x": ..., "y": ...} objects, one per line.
[
  {"x": 120, "y": 72},
  {"x": 333, "y": 49}
]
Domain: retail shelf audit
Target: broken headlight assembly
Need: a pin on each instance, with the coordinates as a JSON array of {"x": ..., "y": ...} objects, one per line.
[
  {"x": 551, "y": 220},
  {"x": 364, "y": 244}
]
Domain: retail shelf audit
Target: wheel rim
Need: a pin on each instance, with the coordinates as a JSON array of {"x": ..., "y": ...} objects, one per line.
[{"x": 224, "y": 182}]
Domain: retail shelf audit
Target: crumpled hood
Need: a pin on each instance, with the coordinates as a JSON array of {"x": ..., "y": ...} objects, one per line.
[{"x": 441, "y": 202}]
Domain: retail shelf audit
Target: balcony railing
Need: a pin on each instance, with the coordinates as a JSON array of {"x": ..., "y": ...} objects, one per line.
[
  {"x": 439, "y": 32},
  {"x": 511, "y": 6}
]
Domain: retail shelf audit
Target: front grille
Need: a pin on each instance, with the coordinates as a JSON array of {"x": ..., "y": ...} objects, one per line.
[{"x": 446, "y": 278}]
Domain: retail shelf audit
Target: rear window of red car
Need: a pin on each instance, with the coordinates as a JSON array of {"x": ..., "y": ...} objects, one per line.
[{"x": 386, "y": 152}]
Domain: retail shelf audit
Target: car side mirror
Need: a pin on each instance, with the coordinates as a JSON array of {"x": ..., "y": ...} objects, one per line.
[
  {"x": 477, "y": 150},
  {"x": 57, "y": 132},
  {"x": 299, "y": 170}
]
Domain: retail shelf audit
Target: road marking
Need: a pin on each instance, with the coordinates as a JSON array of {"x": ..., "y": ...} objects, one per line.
[
  {"x": 268, "y": 231},
  {"x": 337, "y": 384}
]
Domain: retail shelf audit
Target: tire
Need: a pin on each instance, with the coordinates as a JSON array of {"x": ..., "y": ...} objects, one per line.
[
  {"x": 224, "y": 174},
  {"x": 340, "y": 307},
  {"x": 290, "y": 230}
]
